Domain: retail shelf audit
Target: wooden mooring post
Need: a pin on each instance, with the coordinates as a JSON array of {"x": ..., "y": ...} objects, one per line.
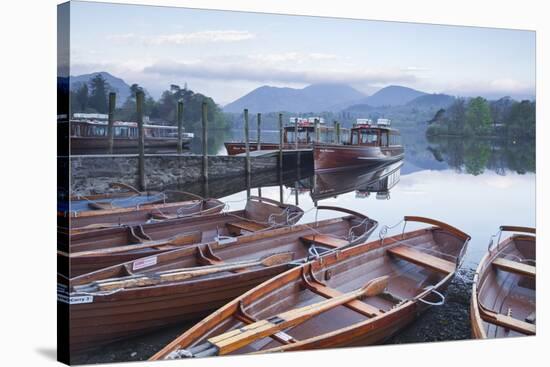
[
  {"x": 246, "y": 141},
  {"x": 259, "y": 143},
  {"x": 296, "y": 142},
  {"x": 141, "y": 140},
  {"x": 205, "y": 142},
  {"x": 247, "y": 152},
  {"x": 180, "y": 126},
  {"x": 110, "y": 127},
  {"x": 317, "y": 131},
  {"x": 281, "y": 133}
]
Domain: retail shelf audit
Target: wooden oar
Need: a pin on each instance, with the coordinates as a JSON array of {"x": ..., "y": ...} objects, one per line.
[
  {"x": 238, "y": 338},
  {"x": 95, "y": 226},
  {"x": 270, "y": 260},
  {"x": 507, "y": 322},
  {"x": 181, "y": 274},
  {"x": 178, "y": 240}
]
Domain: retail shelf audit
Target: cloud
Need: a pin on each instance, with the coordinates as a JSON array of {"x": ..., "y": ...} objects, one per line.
[
  {"x": 501, "y": 87},
  {"x": 414, "y": 69},
  {"x": 185, "y": 38},
  {"x": 296, "y": 57},
  {"x": 262, "y": 73}
]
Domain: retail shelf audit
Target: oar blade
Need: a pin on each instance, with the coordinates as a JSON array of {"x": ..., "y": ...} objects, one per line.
[
  {"x": 376, "y": 286},
  {"x": 277, "y": 259}
]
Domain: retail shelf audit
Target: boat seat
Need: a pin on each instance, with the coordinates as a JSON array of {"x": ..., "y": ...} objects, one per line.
[
  {"x": 324, "y": 240},
  {"x": 236, "y": 228},
  {"x": 514, "y": 267},
  {"x": 423, "y": 259},
  {"x": 510, "y": 323},
  {"x": 356, "y": 305}
]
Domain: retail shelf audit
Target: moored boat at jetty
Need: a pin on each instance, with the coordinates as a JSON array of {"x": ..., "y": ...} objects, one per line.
[
  {"x": 91, "y": 136},
  {"x": 356, "y": 296},
  {"x": 93, "y": 250},
  {"x": 369, "y": 144},
  {"x": 503, "y": 302},
  {"x": 132, "y": 207},
  {"x": 305, "y": 136},
  {"x": 185, "y": 284}
]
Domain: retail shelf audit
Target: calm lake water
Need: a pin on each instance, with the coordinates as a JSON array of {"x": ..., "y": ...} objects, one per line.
[{"x": 474, "y": 184}]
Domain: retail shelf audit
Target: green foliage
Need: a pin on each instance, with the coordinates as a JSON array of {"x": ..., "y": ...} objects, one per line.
[
  {"x": 521, "y": 120},
  {"x": 478, "y": 117},
  {"x": 81, "y": 97},
  {"x": 164, "y": 109},
  {"x": 99, "y": 89}
]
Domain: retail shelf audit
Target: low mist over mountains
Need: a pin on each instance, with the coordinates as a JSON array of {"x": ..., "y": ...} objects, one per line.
[{"x": 314, "y": 98}]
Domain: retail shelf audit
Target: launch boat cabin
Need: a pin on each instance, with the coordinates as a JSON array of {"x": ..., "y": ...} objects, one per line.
[{"x": 300, "y": 130}]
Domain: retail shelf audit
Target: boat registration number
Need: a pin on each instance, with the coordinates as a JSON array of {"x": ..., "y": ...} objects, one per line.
[{"x": 144, "y": 263}]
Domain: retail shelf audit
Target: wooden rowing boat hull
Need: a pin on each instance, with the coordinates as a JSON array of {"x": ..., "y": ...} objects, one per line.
[
  {"x": 132, "y": 216},
  {"x": 503, "y": 302},
  {"x": 118, "y": 317},
  {"x": 407, "y": 259}
]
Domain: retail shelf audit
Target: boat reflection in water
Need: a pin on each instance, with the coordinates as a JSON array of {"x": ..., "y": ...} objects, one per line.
[{"x": 379, "y": 180}]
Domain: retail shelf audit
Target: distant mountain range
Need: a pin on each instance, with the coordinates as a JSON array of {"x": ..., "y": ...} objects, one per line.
[
  {"x": 393, "y": 95},
  {"x": 119, "y": 86},
  {"x": 314, "y": 98},
  {"x": 333, "y": 97}
]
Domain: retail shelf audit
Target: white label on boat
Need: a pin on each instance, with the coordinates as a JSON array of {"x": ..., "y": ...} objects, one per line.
[
  {"x": 327, "y": 150},
  {"x": 284, "y": 336},
  {"x": 144, "y": 263},
  {"x": 75, "y": 300}
]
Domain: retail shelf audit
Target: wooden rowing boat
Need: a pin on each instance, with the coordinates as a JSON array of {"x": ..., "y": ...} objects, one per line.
[
  {"x": 93, "y": 250},
  {"x": 134, "y": 210},
  {"x": 103, "y": 310},
  {"x": 503, "y": 302},
  {"x": 356, "y": 296}
]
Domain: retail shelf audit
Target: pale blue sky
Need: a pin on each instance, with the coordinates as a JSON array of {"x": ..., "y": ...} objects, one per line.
[{"x": 227, "y": 54}]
